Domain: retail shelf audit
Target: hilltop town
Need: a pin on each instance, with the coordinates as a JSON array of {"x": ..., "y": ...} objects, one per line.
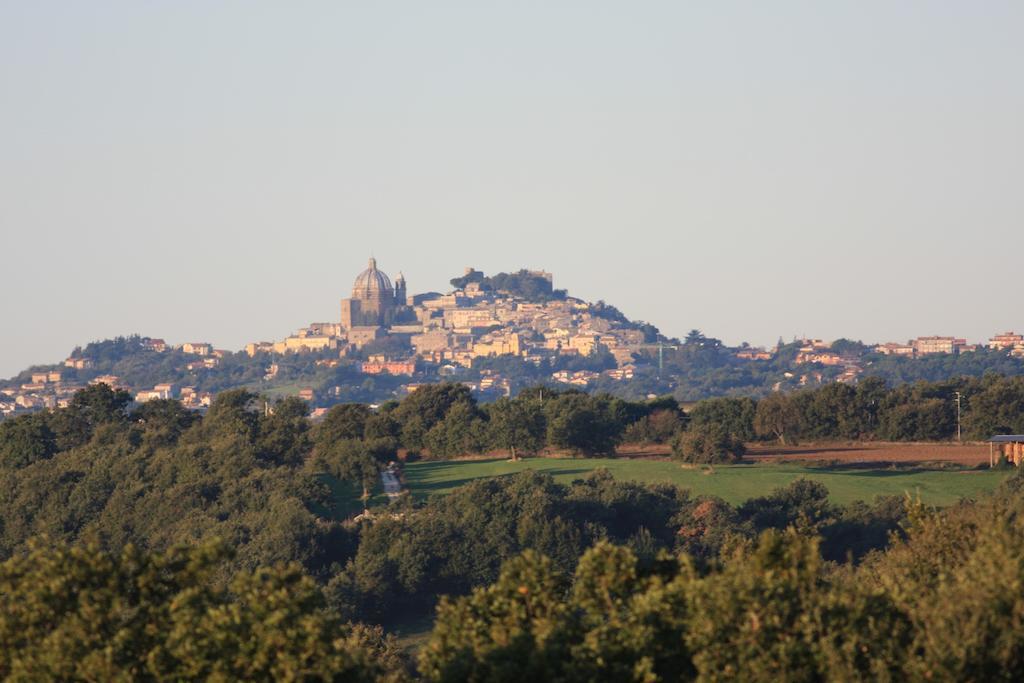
[
  {"x": 496, "y": 334},
  {"x": 527, "y": 319}
]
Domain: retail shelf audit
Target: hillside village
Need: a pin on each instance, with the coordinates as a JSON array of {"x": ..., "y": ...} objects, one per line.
[
  {"x": 473, "y": 321},
  {"x": 495, "y": 334}
]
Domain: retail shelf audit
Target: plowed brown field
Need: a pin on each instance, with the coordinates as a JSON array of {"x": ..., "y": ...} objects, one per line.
[
  {"x": 873, "y": 452},
  {"x": 965, "y": 454}
]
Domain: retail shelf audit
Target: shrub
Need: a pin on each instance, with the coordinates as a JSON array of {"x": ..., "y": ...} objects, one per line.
[{"x": 707, "y": 444}]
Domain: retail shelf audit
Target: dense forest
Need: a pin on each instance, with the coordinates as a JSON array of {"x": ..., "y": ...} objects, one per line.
[{"x": 152, "y": 542}]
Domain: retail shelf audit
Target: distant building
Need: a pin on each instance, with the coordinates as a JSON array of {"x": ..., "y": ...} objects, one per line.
[
  {"x": 1006, "y": 340},
  {"x": 504, "y": 345},
  {"x": 374, "y": 302},
  {"x": 377, "y": 366},
  {"x": 810, "y": 345},
  {"x": 197, "y": 348},
  {"x": 583, "y": 343},
  {"x": 27, "y": 401},
  {"x": 259, "y": 347},
  {"x": 892, "y": 349},
  {"x": 303, "y": 341},
  {"x": 161, "y": 391},
  {"x": 927, "y": 345},
  {"x": 361, "y": 336},
  {"x": 825, "y": 358},
  {"x": 432, "y": 340},
  {"x": 622, "y": 373}
]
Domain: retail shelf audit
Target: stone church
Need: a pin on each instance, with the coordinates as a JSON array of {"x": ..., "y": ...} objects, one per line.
[{"x": 375, "y": 303}]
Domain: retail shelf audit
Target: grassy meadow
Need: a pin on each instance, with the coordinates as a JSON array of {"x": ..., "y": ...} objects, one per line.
[{"x": 733, "y": 483}]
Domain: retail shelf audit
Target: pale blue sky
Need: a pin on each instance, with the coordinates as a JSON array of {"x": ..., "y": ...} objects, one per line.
[{"x": 221, "y": 171}]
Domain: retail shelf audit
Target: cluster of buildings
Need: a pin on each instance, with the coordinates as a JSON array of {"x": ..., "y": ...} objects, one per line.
[
  {"x": 454, "y": 329},
  {"x": 820, "y": 352},
  {"x": 924, "y": 346},
  {"x": 1011, "y": 342},
  {"x": 189, "y": 397},
  {"x": 53, "y": 389},
  {"x": 207, "y": 357},
  {"x": 43, "y": 390}
]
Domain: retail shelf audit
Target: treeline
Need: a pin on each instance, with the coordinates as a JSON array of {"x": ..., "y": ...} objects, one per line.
[
  {"x": 941, "y": 602},
  {"x": 444, "y": 420},
  {"x": 870, "y": 410}
]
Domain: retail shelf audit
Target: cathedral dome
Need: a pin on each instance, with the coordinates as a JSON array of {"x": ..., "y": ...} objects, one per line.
[{"x": 371, "y": 283}]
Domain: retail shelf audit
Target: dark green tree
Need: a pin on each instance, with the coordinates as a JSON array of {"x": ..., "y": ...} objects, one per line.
[
  {"x": 25, "y": 439},
  {"x": 462, "y": 431},
  {"x": 284, "y": 433},
  {"x": 343, "y": 421},
  {"x": 581, "y": 424},
  {"x": 517, "y": 426},
  {"x": 776, "y": 416},
  {"x": 163, "y": 421},
  {"x": 421, "y": 410},
  {"x": 735, "y": 415},
  {"x": 359, "y": 462},
  {"x": 88, "y": 409}
]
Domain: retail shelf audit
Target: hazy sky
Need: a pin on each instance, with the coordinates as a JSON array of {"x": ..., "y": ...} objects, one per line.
[{"x": 220, "y": 172}]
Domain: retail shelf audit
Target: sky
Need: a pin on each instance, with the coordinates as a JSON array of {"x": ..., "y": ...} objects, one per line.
[{"x": 221, "y": 171}]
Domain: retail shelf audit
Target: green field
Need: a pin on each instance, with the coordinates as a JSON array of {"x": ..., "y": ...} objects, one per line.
[{"x": 734, "y": 483}]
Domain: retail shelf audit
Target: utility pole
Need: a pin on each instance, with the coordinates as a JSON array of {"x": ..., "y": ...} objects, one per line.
[
  {"x": 957, "y": 416},
  {"x": 661, "y": 355}
]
